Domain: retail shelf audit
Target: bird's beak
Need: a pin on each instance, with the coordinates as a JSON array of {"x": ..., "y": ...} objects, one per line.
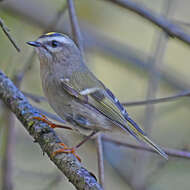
[{"x": 34, "y": 43}]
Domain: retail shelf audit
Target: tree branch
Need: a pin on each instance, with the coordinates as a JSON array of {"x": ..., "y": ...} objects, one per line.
[
  {"x": 45, "y": 136},
  {"x": 185, "y": 93},
  {"x": 166, "y": 25},
  {"x": 100, "y": 155},
  {"x": 157, "y": 100},
  {"x": 171, "y": 152},
  {"x": 6, "y": 31},
  {"x": 75, "y": 26}
]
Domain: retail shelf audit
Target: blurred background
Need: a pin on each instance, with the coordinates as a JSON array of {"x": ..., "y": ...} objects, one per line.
[{"x": 135, "y": 59}]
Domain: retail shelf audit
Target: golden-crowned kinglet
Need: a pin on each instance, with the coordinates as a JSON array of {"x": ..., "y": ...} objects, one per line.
[{"x": 76, "y": 95}]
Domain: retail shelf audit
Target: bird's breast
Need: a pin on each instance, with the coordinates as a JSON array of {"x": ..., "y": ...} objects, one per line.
[{"x": 58, "y": 99}]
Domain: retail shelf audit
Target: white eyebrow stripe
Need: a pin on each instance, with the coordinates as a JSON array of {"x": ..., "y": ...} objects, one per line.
[{"x": 60, "y": 39}]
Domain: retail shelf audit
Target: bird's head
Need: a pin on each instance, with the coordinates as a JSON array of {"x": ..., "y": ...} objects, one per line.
[{"x": 55, "y": 48}]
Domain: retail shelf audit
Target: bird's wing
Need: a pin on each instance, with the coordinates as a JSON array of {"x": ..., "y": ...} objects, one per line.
[
  {"x": 110, "y": 106},
  {"x": 103, "y": 100},
  {"x": 68, "y": 87},
  {"x": 97, "y": 97}
]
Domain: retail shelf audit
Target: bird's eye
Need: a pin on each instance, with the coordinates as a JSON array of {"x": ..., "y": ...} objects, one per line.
[{"x": 54, "y": 44}]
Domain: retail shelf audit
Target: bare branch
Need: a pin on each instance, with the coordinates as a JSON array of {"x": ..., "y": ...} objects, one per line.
[
  {"x": 38, "y": 99},
  {"x": 6, "y": 31},
  {"x": 75, "y": 26},
  {"x": 170, "y": 28},
  {"x": 100, "y": 159},
  {"x": 158, "y": 53},
  {"x": 158, "y": 100},
  {"x": 45, "y": 136},
  {"x": 171, "y": 152}
]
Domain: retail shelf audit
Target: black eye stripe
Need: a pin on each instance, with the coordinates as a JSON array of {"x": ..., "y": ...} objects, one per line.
[{"x": 53, "y": 43}]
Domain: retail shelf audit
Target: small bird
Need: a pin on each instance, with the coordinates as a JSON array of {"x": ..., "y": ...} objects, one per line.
[{"x": 77, "y": 96}]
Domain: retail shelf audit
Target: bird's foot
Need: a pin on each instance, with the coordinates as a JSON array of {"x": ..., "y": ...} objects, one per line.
[
  {"x": 51, "y": 124},
  {"x": 45, "y": 120},
  {"x": 67, "y": 150}
]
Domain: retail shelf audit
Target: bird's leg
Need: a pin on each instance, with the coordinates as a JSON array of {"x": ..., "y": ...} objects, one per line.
[
  {"x": 85, "y": 139},
  {"x": 72, "y": 150},
  {"x": 51, "y": 124}
]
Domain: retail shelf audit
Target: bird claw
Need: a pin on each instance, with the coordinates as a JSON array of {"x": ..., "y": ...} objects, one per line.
[
  {"x": 45, "y": 120},
  {"x": 66, "y": 150}
]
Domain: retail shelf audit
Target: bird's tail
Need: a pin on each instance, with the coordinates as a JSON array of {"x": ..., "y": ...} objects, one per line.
[{"x": 139, "y": 134}]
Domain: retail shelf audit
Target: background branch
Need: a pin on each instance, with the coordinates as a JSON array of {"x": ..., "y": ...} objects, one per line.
[
  {"x": 6, "y": 31},
  {"x": 171, "y": 152},
  {"x": 100, "y": 155},
  {"x": 170, "y": 28},
  {"x": 158, "y": 100},
  {"x": 75, "y": 26},
  {"x": 186, "y": 93}
]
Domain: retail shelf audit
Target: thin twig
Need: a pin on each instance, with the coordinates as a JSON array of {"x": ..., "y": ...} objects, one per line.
[
  {"x": 159, "y": 53},
  {"x": 142, "y": 160},
  {"x": 38, "y": 99},
  {"x": 153, "y": 82},
  {"x": 100, "y": 160},
  {"x": 170, "y": 28},
  {"x": 158, "y": 100},
  {"x": 6, "y": 31},
  {"x": 75, "y": 26},
  {"x": 171, "y": 152}
]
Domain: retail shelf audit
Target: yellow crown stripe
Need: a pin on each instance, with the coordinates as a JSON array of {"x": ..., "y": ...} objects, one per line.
[{"x": 50, "y": 33}]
